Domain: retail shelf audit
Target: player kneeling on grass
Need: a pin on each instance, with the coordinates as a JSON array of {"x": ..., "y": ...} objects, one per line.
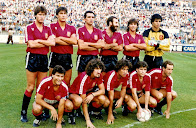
[
  {"x": 161, "y": 87},
  {"x": 88, "y": 87},
  {"x": 112, "y": 80},
  {"x": 51, "y": 94},
  {"x": 139, "y": 87}
]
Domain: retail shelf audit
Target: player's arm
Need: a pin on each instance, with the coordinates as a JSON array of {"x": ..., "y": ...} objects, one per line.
[
  {"x": 34, "y": 44},
  {"x": 131, "y": 47},
  {"x": 164, "y": 45},
  {"x": 140, "y": 46},
  {"x": 84, "y": 46},
  {"x": 147, "y": 97},
  {"x": 49, "y": 42},
  {"x": 122, "y": 96},
  {"x": 41, "y": 102},
  {"x": 118, "y": 47},
  {"x": 99, "y": 44},
  {"x": 69, "y": 41},
  {"x": 85, "y": 111},
  {"x": 109, "y": 46},
  {"x": 169, "y": 99},
  {"x": 136, "y": 99},
  {"x": 110, "y": 119},
  {"x": 148, "y": 46}
]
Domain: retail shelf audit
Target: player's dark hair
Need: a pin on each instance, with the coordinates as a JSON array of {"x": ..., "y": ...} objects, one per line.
[
  {"x": 121, "y": 64},
  {"x": 156, "y": 16},
  {"x": 110, "y": 19},
  {"x": 167, "y": 62},
  {"x": 141, "y": 64},
  {"x": 88, "y": 12},
  {"x": 92, "y": 64},
  {"x": 61, "y": 9},
  {"x": 59, "y": 69},
  {"x": 40, "y": 9},
  {"x": 132, "y": 21}
]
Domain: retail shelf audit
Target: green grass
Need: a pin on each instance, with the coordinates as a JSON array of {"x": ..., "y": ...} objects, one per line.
[{"x": 13, "y": 85}]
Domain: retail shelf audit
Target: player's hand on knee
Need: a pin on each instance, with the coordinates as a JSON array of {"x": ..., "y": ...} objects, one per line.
[
  {"x": 118, "y": 103},
  {"x": 54, "y": 115},
  {"x": 88, "y": 99},
  {"x": 167, "y": 114}
]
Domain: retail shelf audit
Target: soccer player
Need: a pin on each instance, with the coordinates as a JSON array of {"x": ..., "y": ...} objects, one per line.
[
  {"x": 51, "y": 94},
  {"x": 113, "y": 44},
  {"x": 133, "y": 43},
  {"x": 38, "y": 38},
  {"x": 157, "y": 41},
  {"x": 88, "y": 87},
  {"x": 89, "y": 42},
  {"x": 65, "y": 39},
  {"x": 112, "y": 80},
  {"x": 139, "y": 87},
  {"x": 162, "y": 87}
]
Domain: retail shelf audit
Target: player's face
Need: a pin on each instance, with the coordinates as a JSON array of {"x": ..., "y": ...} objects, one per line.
[
  {"x": 141, "y": 71},
  {"x": 133, "y": 27},
  {"x": 114, "y": 25},
  {"x": 157, "y": 23},
  {"x": 123, "y": 71},
  {"x": 89, "y": 18},
  {"x": 40, "y": 17},
  {"x": 97, "y": 72},
  {"x": 168, "y": 70},
  {"x": 62, "y": 16},
  {"x": 57, "y": 78}
]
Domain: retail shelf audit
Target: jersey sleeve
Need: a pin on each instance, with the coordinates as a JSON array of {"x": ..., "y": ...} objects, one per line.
[
  {"x": 42, "y": 88},
  {"x": 120, "y": 39},
  {"x": 52, "y": 29},
  {"x": 99, "y": 80},
  {"x": 73, "y": 30},
  {"x": 147, "y": 82},
  {"x": 133, "y": 82},
  {"x": 125, "y": 81},
  {"x": 169, "y": 85},
  {"x": 81, "y": 34},
  {"x": 142, "y": 40},
  {"x": 28, "y": 34},
  {"x": 100, "y": 34}
]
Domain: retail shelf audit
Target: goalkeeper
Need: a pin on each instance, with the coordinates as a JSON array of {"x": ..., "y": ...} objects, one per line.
[{"x": 157, "y": 41}]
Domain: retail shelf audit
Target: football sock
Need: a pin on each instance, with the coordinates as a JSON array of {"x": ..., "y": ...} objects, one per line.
[
  {"x": 46, "y": 111},
  {"x": 162, "y": 103},
  {"x": 37, "y": 116},
  {"x": 26, "y": 100}
]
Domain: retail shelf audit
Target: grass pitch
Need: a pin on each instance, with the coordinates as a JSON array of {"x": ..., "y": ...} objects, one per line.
[{"x": 13, "y": 85}]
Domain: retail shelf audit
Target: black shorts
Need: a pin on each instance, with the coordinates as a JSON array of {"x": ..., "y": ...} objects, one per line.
[
  {"x": 109, "y": 62},
  {"x": 133, "y": 60},
  {"x": 36, "y": 62},
  {"x": 139, "y": 94},
  {"x": 64, "y": 60},
  {"x": 82, "y": 61},
  {"x": 153, "y": 61},
  {"x": 94, "y": 89}
]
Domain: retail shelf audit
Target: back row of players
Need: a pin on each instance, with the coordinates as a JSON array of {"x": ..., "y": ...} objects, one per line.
[{"x": 61, "y": 37}]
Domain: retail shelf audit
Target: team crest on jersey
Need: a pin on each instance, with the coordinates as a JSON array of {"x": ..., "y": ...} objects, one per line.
[
  {"x": 152, "y": 38},
  {"x": 95, "y": 37},
  {"x": 161, "y": 37},
  {"x": 68, "y": 34},
  {"x": 156, "y": 77},
  {"x": 56, "y": 28},
  {"x": 32, "y": 29},
  {"x": 46, "y": 35},
  {"x": 114, "y": 40}
]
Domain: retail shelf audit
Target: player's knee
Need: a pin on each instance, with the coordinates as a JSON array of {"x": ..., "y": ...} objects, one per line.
[
  {"x": 37, "y": 109},
  {"x": 153, "y": 102},
  {"x": 77, "y": 101},
  {"x": 174, "y": 95},
  {"x": 107, "y": 103},
  {"x": 133, "y": 106},
  {"x": 101, "y": 99},
  {"x": 68, "y": 105},
  {"x": 159, "y": 96},
  {"x": 126, "y": 98},
  {"x": 30, "y": 88}
]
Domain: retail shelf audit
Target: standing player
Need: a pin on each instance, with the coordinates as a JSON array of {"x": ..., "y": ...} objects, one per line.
[
  {"x": 88, "y": 87},
  {"x": 112, "y": 80},
  {"x": 89, "y": 42},
  {"x": 114, "y": 43},
  {"x": 38, "y": 38},
  {"x": 139, "y": 87},
  {"x": 133, "y": 43},
  {"x": 65, "y": 39},
  {"x": 157, "y": 41},
  {"x": 51, "y": 94},
  {"x": 162, "y": 87}
]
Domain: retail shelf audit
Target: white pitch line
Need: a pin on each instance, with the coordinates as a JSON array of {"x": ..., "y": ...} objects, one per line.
[
  {"x": 131, "y": 125},
  {"x": 187, "y": 56}
]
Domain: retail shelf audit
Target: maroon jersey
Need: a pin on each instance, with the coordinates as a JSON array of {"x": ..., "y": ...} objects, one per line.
[
  {"x": 116, "y": 38},
  {"x": 67, "y": 32},
  {"x": 87, "y": 37},
  {"x": 32, "y": 33},
  {"x": 156, "y": 80},
  {"x": 128, "y": 39},
  {"x": 46, "y": 89},
  {"x": 83, "y": 83},
  {"x": 111, "y": 81},
  {"x": 134, "y": 82}
]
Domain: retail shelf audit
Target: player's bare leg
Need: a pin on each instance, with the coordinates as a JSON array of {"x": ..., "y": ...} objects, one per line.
[
  {"x": 37, "y": 112},
  {"x": 67, "y": 77},
  {"x": 129, "y": 105}
]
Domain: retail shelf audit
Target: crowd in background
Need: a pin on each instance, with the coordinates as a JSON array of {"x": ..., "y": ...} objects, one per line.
[{"x": 179, "y": 18}]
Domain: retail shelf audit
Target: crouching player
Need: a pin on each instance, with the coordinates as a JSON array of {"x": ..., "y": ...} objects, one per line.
[
  {"x": 88, "y": 87},
  {"x": 139, "y": 87},
  {"x": 112, "y": 80},
  {"x": 161, "y": 87},
  {"x": 51, "y": 94}
]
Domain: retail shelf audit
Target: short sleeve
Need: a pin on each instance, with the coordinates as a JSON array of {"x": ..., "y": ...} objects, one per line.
[
  {"x": 120, "y": 40},
  {"x": 146, "y": 33},
  {"x": 28, "y": 34},
  {"x": 165, "y": 35},
  {"x": 42, "y": 89},
  {"x": 100, "y": 34},
  {"x": 73, "y": 30},
  {"x": 126, "y": 40},
  {"x": 99, "y": 80},
  {"x": 142, "y": 39},
  {"x": 147, "y": 82},
  {"x": 81, "y": 34}
]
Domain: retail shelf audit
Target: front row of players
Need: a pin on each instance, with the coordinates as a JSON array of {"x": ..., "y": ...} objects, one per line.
[{"x": 90, "y": 87}]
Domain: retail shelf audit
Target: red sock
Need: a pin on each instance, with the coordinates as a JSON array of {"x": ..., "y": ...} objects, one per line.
[
  {"x": 28, "y": 94},
  {"x": 36, "y": 114},
  {"x": 130, "y": 109},
  {"x": 152, "y": 106},
  {"x": 67, "y": 110},
  {"x": 94, "y": 104},
  {"x": 75, "y": 108}
]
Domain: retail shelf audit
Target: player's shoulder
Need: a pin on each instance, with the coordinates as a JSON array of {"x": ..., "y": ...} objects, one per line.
[
  {"x": 126, "y": 34},
  {"x": 71, "y": 26},
  {"x": 170, "y": 78},
  {"x": 147, "y": 76},
  {"x": 154, "y": 70},
  {"x": 46, "y": 80},
  {"x": 109, "y": 74},
  {"x": 64, "y": 85},
  {"x": 146, "y": 32},
  {"x": 97, "y": 30},
  {"x": 164, "y": 33},
  {"x": 132, "y": 74}
]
